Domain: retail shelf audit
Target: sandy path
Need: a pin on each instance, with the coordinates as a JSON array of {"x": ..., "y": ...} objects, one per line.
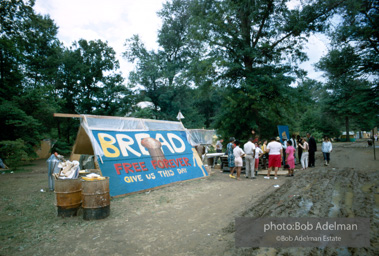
[{"x": 183, "y": 219}]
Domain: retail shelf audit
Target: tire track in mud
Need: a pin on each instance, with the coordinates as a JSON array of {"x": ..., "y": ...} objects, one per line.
[{"x": 323, "y": 193}]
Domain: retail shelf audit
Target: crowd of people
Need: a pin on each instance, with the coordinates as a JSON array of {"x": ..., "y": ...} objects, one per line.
[{"x": 273, "y": 154}]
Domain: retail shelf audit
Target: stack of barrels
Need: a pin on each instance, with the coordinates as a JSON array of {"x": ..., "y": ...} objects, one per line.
[{"x": 93, "y": 196}]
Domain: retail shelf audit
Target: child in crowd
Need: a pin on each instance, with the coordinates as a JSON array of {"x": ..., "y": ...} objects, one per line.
[
  {"x": 326, "y": 149},
  {"x": 258, "y": 154},
  {"x": 290, "y": 158},
  {"x": 264, "y": 155}
]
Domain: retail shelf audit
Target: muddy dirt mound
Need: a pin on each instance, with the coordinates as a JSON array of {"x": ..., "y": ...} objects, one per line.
[{"x": 326, "y": 192}]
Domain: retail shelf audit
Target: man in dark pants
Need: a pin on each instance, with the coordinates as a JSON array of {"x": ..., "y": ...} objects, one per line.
[{"x": 312, "y": 149}]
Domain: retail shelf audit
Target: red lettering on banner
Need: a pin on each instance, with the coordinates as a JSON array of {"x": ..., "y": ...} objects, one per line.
[
  {"x": 136, "y": 165},
  {"x": 154, "y": 163},
  {"x": 176, "y": 161},
  {"x": 131, "y": 167},
  {"x": 127, "y": 167},
  {"x": 118, "y": 168},
  {"x": 143, "y": 167},
  {"x": 186, "y": 161},
  {"x": 165, "y": 162},
  {"x": 161, "y": 164},
  {"x": 172, "y": 163}
]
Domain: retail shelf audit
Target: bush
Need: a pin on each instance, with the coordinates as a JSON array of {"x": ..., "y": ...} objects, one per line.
[
  {"x": 13, "y": 153},
  {"x": 62, "y": 148},
  {"x": 318, "y": 136}
]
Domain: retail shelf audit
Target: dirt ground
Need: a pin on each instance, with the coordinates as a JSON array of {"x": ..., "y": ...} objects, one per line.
[{"x": 194, "y": 217}]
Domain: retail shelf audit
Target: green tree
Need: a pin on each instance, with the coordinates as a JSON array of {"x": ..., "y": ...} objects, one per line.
[
  {"x": 95, "y": 59},
  {"x": 176, "y": 50},
  {"x": 256, "y": 46},
  {"x": 114, "y": 98},
  {"x": 351, "y": 96},
  {"x": 148, "y": 72},
  {"x": 42, "y": 52},
  {"x": 90, "y": 84},
  {"x": 357, "y": 34},
  {"x": 13, "y": 16},
  {"x": 359, "y": 29},
  {"x": 27, "y": 64},
  {"x": 175, "y": 77}
]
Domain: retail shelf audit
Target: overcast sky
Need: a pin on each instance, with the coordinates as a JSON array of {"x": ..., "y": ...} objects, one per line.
[{"x": 116, "y": 20}]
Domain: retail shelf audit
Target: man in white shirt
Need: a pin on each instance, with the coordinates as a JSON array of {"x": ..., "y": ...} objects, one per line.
[
  {"x": 249, "y": 149},
  {"x": 275, "y": 152}
]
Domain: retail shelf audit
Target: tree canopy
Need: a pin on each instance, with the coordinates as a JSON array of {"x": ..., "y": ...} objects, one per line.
[{"x": 227, "y": 65}]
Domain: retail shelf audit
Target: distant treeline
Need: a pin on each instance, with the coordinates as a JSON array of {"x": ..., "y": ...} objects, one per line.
[{"x": 226, "y": 65}]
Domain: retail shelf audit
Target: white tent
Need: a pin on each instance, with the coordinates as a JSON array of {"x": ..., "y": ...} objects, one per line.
[{"x": 140, "y": 154}]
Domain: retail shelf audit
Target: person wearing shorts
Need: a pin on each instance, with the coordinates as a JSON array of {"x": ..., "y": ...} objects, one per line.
[
  {"x": 238, "y": 161},
  {"x": 275, "y": 152}
]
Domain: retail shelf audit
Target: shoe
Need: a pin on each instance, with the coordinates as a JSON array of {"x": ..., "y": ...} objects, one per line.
[
  {"x": 246, "y": 177},
  {"x": 253, "y": 178},
  {"x": 231, "y": 176},
  {"x": 266, "y": 177},
  {"x": 275, "y": 178}
]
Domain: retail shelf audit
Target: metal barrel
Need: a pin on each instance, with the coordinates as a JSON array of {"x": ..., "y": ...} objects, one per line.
[
  {"x": 96, "y": 199},
  {"x": 68, "y": 194}
]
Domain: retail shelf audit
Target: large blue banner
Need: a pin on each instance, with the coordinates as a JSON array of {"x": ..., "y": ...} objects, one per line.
[
  {"x": 284, "y": 132},
  {"x": 136, "y": 161}
]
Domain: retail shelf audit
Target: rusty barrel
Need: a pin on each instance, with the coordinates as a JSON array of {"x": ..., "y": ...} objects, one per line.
[
  {"x": 68, "y": 194},
  {"x": 96, "y": 199}
]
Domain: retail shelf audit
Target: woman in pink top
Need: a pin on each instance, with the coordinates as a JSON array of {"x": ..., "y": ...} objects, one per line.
[{"x": 290, "y": 158}]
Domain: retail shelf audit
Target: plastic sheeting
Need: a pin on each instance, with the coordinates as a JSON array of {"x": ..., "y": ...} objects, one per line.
[
  {"x": 86, "y": 162},
  {"x": 108, "y": 123},
  {"x": 200, "y": 136},
  {"x": 53, "y": 168},
  {"x": 130, "y": 124},
  {"x": 194, "y": 136}
]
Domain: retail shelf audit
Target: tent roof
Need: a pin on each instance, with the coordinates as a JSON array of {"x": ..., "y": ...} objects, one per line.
[
  {"x": 124, "y": 124},
  {"x": 111, "y": 123}
]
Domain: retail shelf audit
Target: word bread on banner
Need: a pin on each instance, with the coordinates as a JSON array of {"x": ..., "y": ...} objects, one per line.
[{"x": 137, "y": 161}]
